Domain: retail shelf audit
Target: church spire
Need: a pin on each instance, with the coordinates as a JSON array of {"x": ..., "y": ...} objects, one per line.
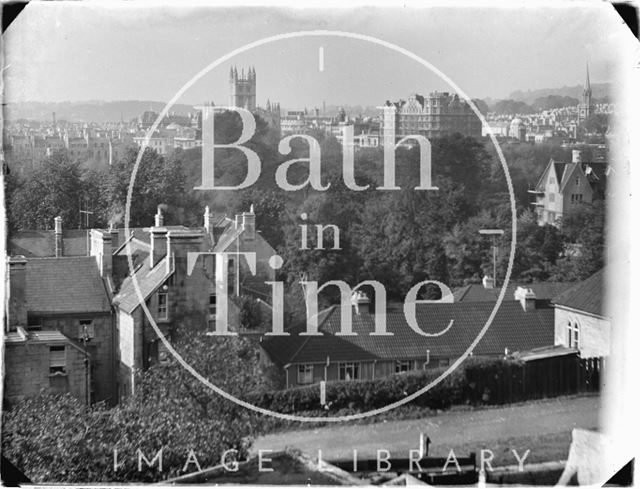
[{"x": 587, "y": 85}]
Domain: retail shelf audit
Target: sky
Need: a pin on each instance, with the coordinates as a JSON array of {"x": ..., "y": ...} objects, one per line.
[{"x": 57, "y": 51}]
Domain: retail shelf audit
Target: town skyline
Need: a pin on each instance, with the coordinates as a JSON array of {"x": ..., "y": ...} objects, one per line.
[{"x": 288, "y": 72}]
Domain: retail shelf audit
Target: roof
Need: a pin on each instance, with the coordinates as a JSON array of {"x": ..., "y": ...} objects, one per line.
[
  {"x": 39, "y": 243},
  {"x": 585, "y": 296},
  {"x": 46, "y": 336},
  {"x": 65, "y": 285},
  {"x": 477, "y": 292},
  {"x": 148, "y": 279},
  {"x": 546, "y": 352},
  {"x": 512, "y": 328}
]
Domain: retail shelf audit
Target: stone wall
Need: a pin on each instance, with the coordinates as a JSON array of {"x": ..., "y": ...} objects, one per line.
[
  {"x": 100, "y": 347},
  {"x": 595, "y": 332},
  {"x": 27, "y": 371}
]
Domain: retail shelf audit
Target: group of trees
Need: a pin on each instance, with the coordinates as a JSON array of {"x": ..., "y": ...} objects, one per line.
[
  {"x": 54, "y": 438},
  {"x": 397, "y": 237}
]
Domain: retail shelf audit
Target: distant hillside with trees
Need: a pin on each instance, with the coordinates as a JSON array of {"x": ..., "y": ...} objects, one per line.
[
  {"x": 600, "y": 92},
  {"x": 90, "y": 111}
]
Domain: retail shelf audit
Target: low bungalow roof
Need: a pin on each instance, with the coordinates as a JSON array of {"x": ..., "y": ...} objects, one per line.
[
  {"x": 512, "y": 328},
  {"x": 478, "y": 293}
]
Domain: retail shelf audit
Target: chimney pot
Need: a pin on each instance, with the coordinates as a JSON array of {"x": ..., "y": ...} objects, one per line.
[
  {"x": 58, "y": 236},
  {"x": 526, "y": 297},
  {"x": 360, "y": 302},
  {"x": 487, "y": 282},
  {"x": 159, "y": 218}
]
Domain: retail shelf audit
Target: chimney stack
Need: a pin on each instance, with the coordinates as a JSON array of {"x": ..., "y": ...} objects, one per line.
[
  {"x": 527, "y": 298},
  {"x": 360, "y": 302},
  {"x": 576, "y": 156},
  {"x": 58, "y": 235},
  {"x": 208, "y": 220},
  {"x": 17, "y": 310},
  {"x": 249, "y": 224},
  {"x": 487, "y": 282},
  {"x": 102, "y": 248},
  {"x": 159, "y": 218}
]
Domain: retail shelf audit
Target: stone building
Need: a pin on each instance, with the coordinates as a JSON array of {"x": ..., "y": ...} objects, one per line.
[
  {"x": 581, "y": 321},
  {"x": 242, "y": 89},
  {"x": 564, "y": 186},
  {"x": 437, "y": 115},
  {"x": 59, "y": 312},
  {"x": 186, "y": 284}
]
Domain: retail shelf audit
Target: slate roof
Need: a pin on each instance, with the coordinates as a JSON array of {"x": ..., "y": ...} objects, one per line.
[
  {"x": 586, "y": 296},
  {"x": 512, "y": 328},
  {"x": 43, "y": 336},
  {"x": 65, "y": 285},
  {"x": 149, "y": 279},
  {"x": 39, "y": 243},
  {"x": 477, "y": 292}
]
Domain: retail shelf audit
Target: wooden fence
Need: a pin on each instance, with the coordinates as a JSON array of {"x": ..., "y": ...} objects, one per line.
[{"x": 536, "y": 379}]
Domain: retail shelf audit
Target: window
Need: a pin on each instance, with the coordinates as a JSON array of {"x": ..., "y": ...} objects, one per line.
[
  {"x": 443, "y": 362},
  {"x": 573, "y": 335},
  {"x": 86, "y": 329},
  {"x": 552, "y": 197},
  {"x": 163, "y": 305},
  {"x": 213, "y": 305},
  {"x": 576, "y": 198},
  {"x": 403, "y": 366},
  {"x": 349, "y": 371},
  {"x": 57, "y": 360},
  {"x": 305, "y": 373},
  {"x": 577, "y": 181}
]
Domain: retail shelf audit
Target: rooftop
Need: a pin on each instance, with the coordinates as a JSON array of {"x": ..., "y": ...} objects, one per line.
[
  {"x": 65, "y": 285},
  {"x": 512, "y": 328},
  {"x": 586, "y": 296}
]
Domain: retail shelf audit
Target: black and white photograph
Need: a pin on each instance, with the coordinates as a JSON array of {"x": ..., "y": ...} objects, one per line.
[{"x": 368, "y": 244}]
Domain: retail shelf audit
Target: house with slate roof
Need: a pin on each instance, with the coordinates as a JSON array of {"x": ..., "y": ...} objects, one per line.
[
  {"x": 521, "y": 323},
  {"x": 544, "y": 291},
  {"x": 59, "y": 329},
  {"x": 187, "y": 278},
  {"x": 563, "y": 186},
  {"x": 580, "y": 319}
]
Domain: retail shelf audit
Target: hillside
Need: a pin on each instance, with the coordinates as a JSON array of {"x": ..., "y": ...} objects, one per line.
[
  {"x": 89, "y": 111},
  {"x": 598, "y": 91}
]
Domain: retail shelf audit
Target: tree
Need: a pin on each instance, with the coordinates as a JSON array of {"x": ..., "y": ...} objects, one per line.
[
  {"x": 159, "y": 180},
  {"x": 54, "y": 189},
  {"x": 56, "y": 439},
  {"x": 597, "y": 124},
  {"x": 584, "y": 234}
]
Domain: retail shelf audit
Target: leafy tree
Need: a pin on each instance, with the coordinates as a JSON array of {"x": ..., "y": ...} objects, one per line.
[
  {"x": 595, "y": 124},
  {"x": 159, "y": 180},
  {"x": 584, "y": 235},
  {"x": 53, "y": 189}
]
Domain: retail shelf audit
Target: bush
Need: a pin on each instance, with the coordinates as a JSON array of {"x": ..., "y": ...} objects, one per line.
[{"x": 473, "y": 383}]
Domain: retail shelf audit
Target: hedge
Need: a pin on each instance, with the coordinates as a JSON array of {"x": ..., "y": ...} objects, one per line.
[{"x": 476, "y": 381}]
